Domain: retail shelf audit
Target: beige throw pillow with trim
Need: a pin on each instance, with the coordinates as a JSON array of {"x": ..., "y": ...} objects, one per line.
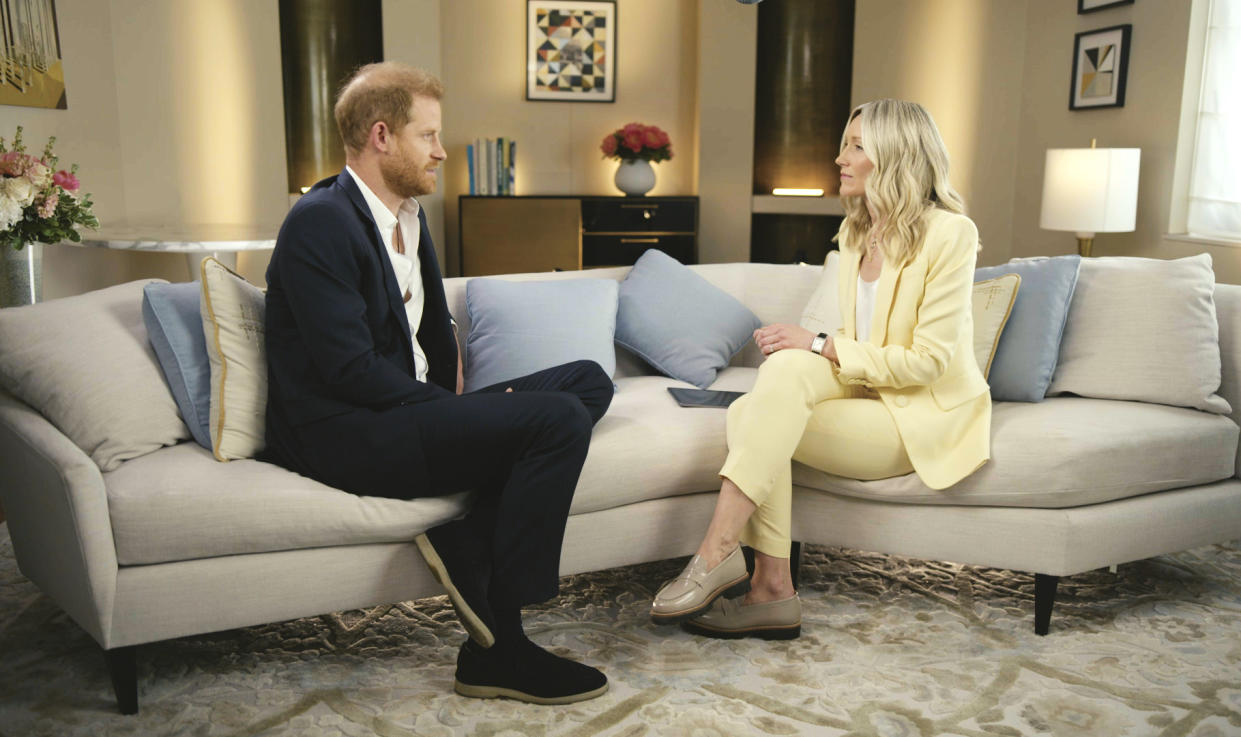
[
  {"x": 822, "y": 311},
  {"x": 232, "y": 311},
  {"x": 992, "y": 303}
]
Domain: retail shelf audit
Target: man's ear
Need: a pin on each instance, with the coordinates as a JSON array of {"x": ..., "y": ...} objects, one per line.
[{"x": 380, "y": 135}]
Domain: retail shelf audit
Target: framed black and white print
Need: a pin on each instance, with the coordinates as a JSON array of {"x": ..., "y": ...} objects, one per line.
[
  {"x": 1090, "y": 6},
  {"x": 571, "y": 50},
  {"x": 1100, "y": 66}
]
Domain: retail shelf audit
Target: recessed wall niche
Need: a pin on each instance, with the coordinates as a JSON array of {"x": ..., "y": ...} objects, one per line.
[
  {"x": 802, "y": 88},
  {"x": 321, "y": 43}
]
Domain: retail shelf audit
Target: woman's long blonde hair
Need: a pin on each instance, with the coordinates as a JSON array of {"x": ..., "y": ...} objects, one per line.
[{"x": 909, "y": 179}]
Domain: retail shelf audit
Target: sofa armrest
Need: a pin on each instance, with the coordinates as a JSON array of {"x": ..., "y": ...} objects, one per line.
[
  {"x": 1228, "y": 313},
  {"x": 57, "y": 509}
]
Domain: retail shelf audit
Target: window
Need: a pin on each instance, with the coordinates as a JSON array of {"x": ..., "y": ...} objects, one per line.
[{"x": 1213, "y": 207}]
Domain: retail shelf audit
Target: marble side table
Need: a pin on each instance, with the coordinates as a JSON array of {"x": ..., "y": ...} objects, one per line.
[{"x": 195, "y": 241}]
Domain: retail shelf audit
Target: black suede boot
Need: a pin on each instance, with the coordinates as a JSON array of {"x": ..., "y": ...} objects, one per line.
[{"x": 516, "y": 668}]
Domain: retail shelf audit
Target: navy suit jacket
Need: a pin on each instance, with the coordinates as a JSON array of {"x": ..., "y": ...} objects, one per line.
[{"x": 337, "y": 334}]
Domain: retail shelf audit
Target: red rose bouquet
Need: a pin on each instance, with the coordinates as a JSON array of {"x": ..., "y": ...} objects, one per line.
[{"x": 637, "y": 141}]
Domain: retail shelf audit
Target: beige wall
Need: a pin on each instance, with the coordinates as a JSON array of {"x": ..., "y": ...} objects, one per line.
[
  {"x": 87, "y": 133},
  {"x": 176, "y": 116},
  {"x": 1149, "y": 120},
  {"x": 962, "y": 60},
  {"x": 558, "y": 142}
]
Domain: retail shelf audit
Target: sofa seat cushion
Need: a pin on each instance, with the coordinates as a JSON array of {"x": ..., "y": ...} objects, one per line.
[
  {"x": 179, "y": 503},
  {"x": 1068, "y": 452},
  {"x": 649, "y": 447}
]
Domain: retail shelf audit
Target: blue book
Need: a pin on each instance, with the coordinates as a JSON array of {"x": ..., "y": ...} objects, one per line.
[
  {"x": 512, "y": 167},
  {"x": 469, "y": 158}
]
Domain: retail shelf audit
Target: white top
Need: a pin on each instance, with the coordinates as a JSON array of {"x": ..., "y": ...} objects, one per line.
[
  {"x": 865, "y": 311},
  {"x": 405, "y": 266}
]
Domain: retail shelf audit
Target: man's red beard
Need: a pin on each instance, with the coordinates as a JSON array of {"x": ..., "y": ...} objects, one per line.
[{"x": 404, "y": 177}]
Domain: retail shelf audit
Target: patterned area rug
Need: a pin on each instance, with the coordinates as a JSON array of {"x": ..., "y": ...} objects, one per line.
[{"x": 890, "y": 646}]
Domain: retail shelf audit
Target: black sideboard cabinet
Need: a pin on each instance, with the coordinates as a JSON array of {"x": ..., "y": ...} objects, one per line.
[{"x": 505, "y": 235}]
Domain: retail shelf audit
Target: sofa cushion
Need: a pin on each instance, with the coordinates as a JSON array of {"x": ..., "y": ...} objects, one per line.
[
  {"x": 175, "y": 327},
  {"x": 86, "y": 365},
  {"x": 657, "y": 447},
  {"x": 680, "y": 323},
  {"x": 180, "y": 504},
  {"x": 1068, "y": 452},
  {"x": 1143, "y": 329},
  {"x": 1025, "y": 357},
  {"x": 517, "y": 328},
  {"x": 233, "y": 310}
]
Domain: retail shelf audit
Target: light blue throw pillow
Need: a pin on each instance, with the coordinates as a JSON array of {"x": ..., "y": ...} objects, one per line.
[
  {"x": 679, "y": 322},
  {"x": 517, "y": 328},
  {"x": 170, "y": 313},
  {"x": 1025, "y": 358}
]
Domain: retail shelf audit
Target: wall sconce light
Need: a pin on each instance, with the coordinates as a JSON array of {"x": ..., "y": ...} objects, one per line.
[
  {"x": 1090, "y": 190},
  {"x": 795, "y": 192}
]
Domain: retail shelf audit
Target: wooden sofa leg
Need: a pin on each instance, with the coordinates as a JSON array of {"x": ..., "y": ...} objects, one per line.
[
  {"x": 123, "y": 667},
  {"x": 1044, "y": 600},
  {"x": 795, "y": 562}
]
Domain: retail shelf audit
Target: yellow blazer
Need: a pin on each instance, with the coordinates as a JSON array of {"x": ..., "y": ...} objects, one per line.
[{"x": 920, "y": 355}]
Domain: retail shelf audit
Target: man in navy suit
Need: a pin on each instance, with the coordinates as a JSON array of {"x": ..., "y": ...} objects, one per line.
[{"x": 365, "y": 388}]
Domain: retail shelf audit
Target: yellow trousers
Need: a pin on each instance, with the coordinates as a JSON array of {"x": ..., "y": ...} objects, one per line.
[{"x": 799, "y": 410}]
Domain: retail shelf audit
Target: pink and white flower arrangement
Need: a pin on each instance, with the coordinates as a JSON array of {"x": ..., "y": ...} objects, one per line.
[
  {"x": 39, "y": 203},
  {"x": 637, "y": 141}
]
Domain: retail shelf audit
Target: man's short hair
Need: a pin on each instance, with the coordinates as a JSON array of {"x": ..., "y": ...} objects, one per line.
[{"x": 382, "y": 91}]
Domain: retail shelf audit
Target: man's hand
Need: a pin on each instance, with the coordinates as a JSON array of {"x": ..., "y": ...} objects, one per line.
[
  {"x": 460, "y": 374},
  {"x": 772, "y": 338}
]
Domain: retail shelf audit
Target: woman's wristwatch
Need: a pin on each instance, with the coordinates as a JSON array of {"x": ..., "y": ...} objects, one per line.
[{"x": 816, "y": 345}]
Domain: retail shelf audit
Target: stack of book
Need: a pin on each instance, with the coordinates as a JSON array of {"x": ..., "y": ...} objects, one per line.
[{"x": 492, "y": 165}]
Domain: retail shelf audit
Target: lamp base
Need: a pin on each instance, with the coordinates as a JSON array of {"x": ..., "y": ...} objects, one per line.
[{"x": 1083, "y": 246}]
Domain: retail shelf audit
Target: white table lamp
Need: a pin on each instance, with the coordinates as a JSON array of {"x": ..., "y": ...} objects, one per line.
[{"x": 1090, "y": 190}]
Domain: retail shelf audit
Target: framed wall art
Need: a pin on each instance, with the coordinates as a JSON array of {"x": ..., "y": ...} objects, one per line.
[
  {"x": 1100, "y": 66},
  {"x": 1090, "y": 6},
  {"x": 571, "y": 50},
  {"x": 30, "y": 68}
]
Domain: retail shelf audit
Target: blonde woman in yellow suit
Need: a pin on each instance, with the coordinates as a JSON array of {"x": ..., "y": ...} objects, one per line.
[{"x": 897, "y": 390}]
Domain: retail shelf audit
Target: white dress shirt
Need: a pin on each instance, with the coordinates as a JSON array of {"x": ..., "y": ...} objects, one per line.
[
  {"x": 405, "y": 266},
  {"x": 865, "y": 312}
]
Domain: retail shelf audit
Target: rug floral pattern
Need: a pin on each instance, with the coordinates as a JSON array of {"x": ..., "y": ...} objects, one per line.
[{"x": 891, "y": 647}]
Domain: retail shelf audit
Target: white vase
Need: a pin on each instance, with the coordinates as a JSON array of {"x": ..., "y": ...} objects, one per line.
[
  {"x": 635, "y": 177},
  {"x": 21, "y": 275}
]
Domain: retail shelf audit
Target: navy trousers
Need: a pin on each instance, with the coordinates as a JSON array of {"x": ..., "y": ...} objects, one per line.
[{"x": 520, "y": 452}]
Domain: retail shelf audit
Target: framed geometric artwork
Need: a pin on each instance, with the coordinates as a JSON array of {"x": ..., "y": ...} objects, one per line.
[
  {"x": 30, "y": 70},
  {"x": 1100, "y": 66},
  {"x": 571, "y": 50},
  {"x": 1090, "y": 6}
]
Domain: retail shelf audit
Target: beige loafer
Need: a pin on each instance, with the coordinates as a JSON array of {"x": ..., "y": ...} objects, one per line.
[
  {"x": 730, "y": 619},
  {"x": 690, "y": 593}
]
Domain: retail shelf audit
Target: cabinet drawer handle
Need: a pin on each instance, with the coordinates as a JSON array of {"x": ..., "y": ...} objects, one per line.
[
  {"x": 639, "y": 240},
  {"x": 643, "y": 207}
]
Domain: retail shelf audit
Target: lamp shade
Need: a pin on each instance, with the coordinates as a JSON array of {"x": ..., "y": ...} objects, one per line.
[{"x": 1090, "y": 190}]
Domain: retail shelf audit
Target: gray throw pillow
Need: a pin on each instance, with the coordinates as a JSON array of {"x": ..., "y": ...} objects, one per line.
[
  {"x": 85, "y": 363},
  {"x": 1143, "y": 329},
  {"x": 517, "y": 328},
  {"x": 1025, "y": 358},
  {"x": 680, "y": 323},
  {"x": 175, "y": 327}
]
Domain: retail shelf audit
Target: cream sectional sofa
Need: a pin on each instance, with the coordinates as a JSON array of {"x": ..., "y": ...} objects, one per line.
[{"x": 171, "y": 542}]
